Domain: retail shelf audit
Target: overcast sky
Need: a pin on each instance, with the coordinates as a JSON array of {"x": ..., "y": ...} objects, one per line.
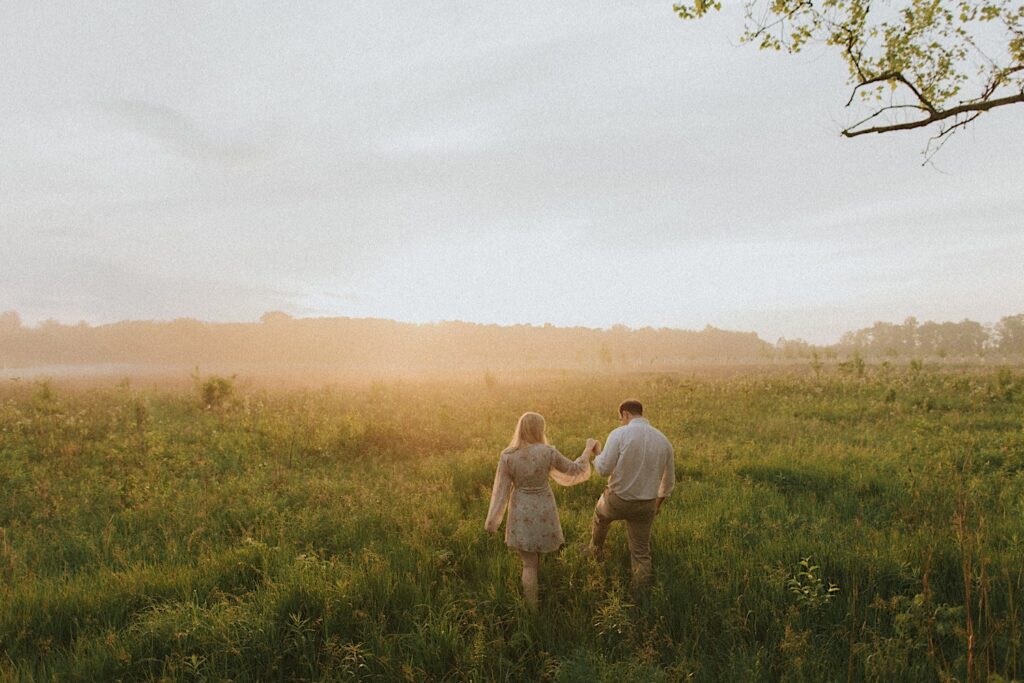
[{"x": 572, "y": 163}]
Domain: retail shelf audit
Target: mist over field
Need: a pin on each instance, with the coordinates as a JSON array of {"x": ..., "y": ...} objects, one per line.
[{"x": 338, "y": 348}]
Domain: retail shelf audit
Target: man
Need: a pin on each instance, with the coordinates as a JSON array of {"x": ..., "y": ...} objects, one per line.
[{"x": 641, "y": 465}]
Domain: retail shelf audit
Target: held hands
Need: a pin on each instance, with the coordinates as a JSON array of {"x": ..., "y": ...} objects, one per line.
[{"x": 593, "y": 446}]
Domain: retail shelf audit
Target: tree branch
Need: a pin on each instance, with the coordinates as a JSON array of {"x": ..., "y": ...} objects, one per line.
[
  {"x": 853, "y": 56},
  {"x": 943, "y": 137},
  {"x": 764, "y": 27},
  {"x": 935, "y": 116},
  {"x": 894, "y": 76},
  {"x": 1000, "y": 78},
  {"x": 881, "y": 111}
]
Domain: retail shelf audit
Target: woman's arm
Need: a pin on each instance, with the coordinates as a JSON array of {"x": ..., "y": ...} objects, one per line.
[
  {"x": 500, "y": 493},
  {"x": 569, "y": 473}
]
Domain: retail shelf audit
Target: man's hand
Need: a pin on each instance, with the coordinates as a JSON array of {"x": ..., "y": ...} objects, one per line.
[{"x": 657, "y": 506}]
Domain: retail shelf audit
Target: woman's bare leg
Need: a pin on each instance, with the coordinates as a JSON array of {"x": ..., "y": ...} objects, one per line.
[{"x": 531, "y": 562}]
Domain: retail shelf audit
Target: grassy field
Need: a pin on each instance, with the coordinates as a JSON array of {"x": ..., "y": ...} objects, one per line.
[{"x": 846, "y": 523}]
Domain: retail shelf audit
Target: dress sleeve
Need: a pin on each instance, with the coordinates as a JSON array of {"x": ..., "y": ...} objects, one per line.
[
  {"x": 500, "y": 493},
  {"x": 567, "y": 472}
]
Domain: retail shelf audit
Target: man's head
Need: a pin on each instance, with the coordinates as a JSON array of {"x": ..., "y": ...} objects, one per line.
[{"x": 629, "y": 409}]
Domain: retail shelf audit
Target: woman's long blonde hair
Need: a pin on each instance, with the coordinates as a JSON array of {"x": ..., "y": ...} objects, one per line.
[{"x": 529, "y": 430}]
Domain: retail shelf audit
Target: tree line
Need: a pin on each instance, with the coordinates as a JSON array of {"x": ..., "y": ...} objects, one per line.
[
  {"x": 964, "y": 340},
  {"x": 368, "y": 344}
]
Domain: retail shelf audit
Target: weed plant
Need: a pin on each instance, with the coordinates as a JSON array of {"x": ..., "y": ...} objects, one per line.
[{"x": 856, "y": 523}]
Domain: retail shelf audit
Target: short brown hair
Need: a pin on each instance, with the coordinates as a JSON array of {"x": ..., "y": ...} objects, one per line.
[{"x": 631, "y": 406}]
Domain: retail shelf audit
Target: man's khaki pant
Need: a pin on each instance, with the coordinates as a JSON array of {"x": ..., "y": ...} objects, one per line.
[{"x": 638, "y": 515}]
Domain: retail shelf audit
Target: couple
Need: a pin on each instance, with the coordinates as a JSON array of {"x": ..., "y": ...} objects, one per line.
[{"x": 639, "y": 462}]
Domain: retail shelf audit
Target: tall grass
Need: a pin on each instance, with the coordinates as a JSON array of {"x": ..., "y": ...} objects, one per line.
[{"x": 843, "y": 525}]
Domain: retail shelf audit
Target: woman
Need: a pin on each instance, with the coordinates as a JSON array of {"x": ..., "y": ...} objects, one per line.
[{"x": 521, "y": 483}]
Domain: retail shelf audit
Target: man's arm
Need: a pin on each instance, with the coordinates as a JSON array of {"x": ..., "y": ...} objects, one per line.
[
  {"x": 608, "y": 458},
  {"x": 668, "y": 476}
]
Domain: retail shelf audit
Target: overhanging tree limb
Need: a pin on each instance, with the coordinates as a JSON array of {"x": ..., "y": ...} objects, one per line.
[
  {"x": 936, "y": 116},
  {"x": 948, "y": 60}
]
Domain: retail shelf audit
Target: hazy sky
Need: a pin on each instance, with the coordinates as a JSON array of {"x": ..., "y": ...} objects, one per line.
[{"x": 573, "y": 163}]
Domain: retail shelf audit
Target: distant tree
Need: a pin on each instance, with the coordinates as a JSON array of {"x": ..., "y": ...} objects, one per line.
[
  {"x": 10, "y": 321},
  {"x": 912, "y": 63},
  {"x": 967, "y": 338},
  {"x": 887, "y": 339},
  {"x": 275, "y": 317},
  {"x": 930, "y": 339},
  {"x": 963, "y": 339},
  {"x": 1009, "y": 333},
  {"x": 910, "y": 341},
  {"x": 794, "y": 348}
]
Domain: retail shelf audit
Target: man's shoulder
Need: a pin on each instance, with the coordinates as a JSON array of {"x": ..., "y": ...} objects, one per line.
[
  {"x": 655, "y": 429},
  {"x": 618, "y": 431},
  {"x": 658, "y": 432}
]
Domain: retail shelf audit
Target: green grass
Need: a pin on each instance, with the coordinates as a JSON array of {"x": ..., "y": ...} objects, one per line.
[{"x": 337, "y": 533}]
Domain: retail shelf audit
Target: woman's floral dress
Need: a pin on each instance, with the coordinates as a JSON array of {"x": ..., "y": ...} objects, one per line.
[{"x": 521, "y": 484}]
